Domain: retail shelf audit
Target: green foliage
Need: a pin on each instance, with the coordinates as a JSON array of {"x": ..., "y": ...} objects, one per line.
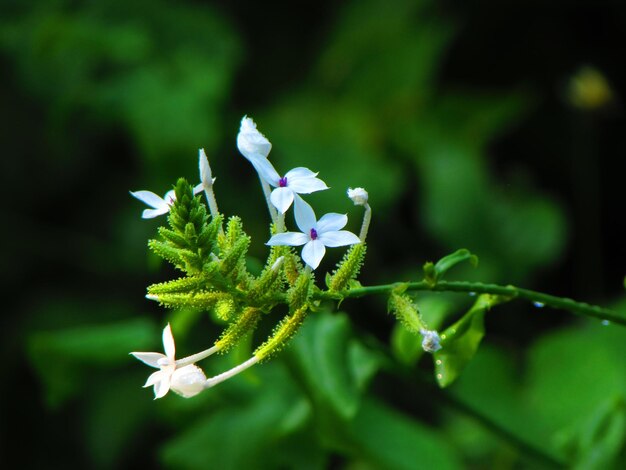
[
  {"x": 460, "y": 341},
  {"x": 434, "y": 272}
]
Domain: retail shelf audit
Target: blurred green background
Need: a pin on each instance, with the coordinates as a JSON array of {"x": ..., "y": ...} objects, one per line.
[{"x": 497, "y": 128}]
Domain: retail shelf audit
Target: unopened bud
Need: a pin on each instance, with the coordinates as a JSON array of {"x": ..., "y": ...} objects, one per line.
[
  {"x": 188, "y": 381},
  {"x": 431, "y": 341},
  {"x": 358, "y": 196}
]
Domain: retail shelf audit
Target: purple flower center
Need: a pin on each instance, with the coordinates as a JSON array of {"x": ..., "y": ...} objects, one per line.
[
  {"x": 282, "y": 182},
  {"x": 313, "y": 234}
]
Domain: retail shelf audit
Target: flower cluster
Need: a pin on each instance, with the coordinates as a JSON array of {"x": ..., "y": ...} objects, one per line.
[{"x": 212, "y": 258}]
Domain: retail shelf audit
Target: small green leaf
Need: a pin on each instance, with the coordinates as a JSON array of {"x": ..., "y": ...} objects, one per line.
[
  {"x": 461, "y": 340},
  {"x": 433, "y": 273}
]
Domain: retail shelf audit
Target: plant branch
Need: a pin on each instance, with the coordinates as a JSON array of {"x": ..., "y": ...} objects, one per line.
[{"x": 538, "y": 298}]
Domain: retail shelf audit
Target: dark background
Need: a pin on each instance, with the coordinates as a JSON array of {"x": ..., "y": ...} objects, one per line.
[{"x": 459, "y": 118}]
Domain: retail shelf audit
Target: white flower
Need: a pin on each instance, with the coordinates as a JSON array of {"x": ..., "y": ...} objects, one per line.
[
  {"x": 187, "y": 381},
  {"x": 160, "y": 205},
  {"x": 250, "y": 141},
  {"x": 206, "y": 177},
  {"x": 316, "y": 234},
  {"x": 358, "y": 196},
  {"x": 255, "y": 147},
  {"x": 431, "y": 341},
  {"x": 297, "y": 181}
]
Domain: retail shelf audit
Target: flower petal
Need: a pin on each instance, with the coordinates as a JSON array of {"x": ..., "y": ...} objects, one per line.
[
  {"x": 305, "y": 217},
  {"x": 264, "y": 168},
  {"x": 306, "y": 185},
  {"x": 331, "y": 222},
  {"x": 251, "y": 141},
  {"x": 313, "y": 252},
  {"x": 282, "y": 198},
  {"x": 197, "y": 189},
  {"x": 338, "y": 238},
  {"x": 300, "y": 172},
  {"x": 162, "y": 387},
  {"x": 168, "y": 343},
  {"x": 152, "y": 213},
  {"x": 149, "y": 198},
  {"x": 170, "y": 197},
  {"x": 289, "y": 239},
  {"x": 154, "y": 378},
  {"x": 149, "y": 358}
]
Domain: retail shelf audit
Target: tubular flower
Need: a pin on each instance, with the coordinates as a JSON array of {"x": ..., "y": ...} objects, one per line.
[
  {"x": 250, "y": 141},
  {"x": 186, "y": 381},
  {"x": 316, "y": 234}
]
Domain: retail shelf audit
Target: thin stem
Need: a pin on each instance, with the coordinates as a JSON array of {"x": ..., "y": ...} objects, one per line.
[
  {"x": 197, "y": 357},
  {"x": 229, "y": 373},
  {"x": 278, "y": 222},
  {"x": 538, "y": 298},
  {"x": 367, "y": 218}
]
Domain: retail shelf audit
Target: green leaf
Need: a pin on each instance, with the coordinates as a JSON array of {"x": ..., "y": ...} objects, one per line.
[
  {"x": 384, "y": 438},
  {"x": 331, "y": 370},
  {"x": 461, "y": 340},
  {"x": 435, "y": 272}
]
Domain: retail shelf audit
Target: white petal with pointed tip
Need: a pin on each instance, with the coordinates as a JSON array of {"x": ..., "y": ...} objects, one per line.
[
  {"x": 162, "y": 387},
  {"x": 205, "y": 169},
  {"x": 305, "y": 217},
  {"x": 282, "y": 198},
  {"x": 289, "y": 239},
  {"x": 313, "y": 252},
  {"x": 149, "y": 358},
  {"x": 338, "y": 238},
  {"x": 149, "y": 198},
  {"x": 331, "y": 221},
  {"x": 265, "y": 169},
  {"x": 168, "y": 343}
]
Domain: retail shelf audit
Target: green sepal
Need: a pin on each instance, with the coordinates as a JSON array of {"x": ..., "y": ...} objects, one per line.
[
  {"x": 460, "y": 341},
  {"x": 233, "y": 262},
  {"x": 271, "y": 279},
  {"x": 199, "y": 300},
  {"x": 348, "y": 268},
  {"x": 434, "y": 272},
  {"x": 178, "y": 286},
  {"x": 284, "y": 331},
  {"x": 167, "y": 252},
  {"x": 245, "y": 323},
  {"x": 172, "y": 237},
  {"x": 299, "y": 294},
  {"x": 406, "y": 311}
]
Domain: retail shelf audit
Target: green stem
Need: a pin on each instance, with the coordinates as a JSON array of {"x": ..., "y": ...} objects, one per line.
[{"x": 562, "y": 303}]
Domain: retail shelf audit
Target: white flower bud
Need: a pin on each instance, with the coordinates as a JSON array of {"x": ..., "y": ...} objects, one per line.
[
  {"x": 188, "y": 381},
  {"x": 431, "y": 341},
  {"x": 206, "y": 176},
  {"x": 358, "y": 196},
  {"x": 250, "y": 141}
]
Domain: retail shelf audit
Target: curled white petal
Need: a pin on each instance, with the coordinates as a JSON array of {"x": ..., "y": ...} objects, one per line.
[
  {"x": 162, "y": 386},
  {"x": 331, "y": 221},
  {"x": 188, "y": 381},
  {"x": 251, "y": 141},
  {"x": 358, "y": 195},
  {"x": 288, "y": 239},
  {"x": 313, "y": 252},
  {"x": 282, "y": 198},
  {"x": 338, "y": 238}
]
